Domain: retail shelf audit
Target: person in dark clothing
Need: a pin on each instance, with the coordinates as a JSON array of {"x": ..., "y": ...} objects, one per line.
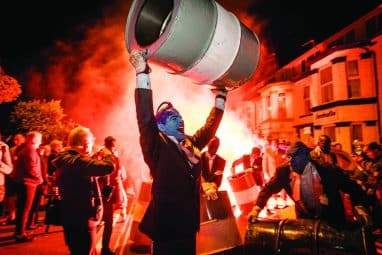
[
  {"x": 55, "y": 148},
  {"x": 27, "y": 176},
  {"x": 323, "y": 153},
  {"x": 79, "y": 191},
  {"x": 212, "y": 166},
  {"x": 252, "y": 163},
  {"x": 113, "y": 183},
  {"x": 315, "y": 189},
  {"x": 172, "y": 218},
  {"x": 369, "y": 177}
]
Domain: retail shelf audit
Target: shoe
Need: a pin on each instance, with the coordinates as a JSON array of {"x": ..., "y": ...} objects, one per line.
[
  {"x": 106, "y": 251},
  {"x": 32, "y": 227},
  {"x": 22, "y": 238},
  {"x": 7, "y": 222}
]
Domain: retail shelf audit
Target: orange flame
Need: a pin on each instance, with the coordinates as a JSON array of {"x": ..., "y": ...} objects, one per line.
[{"x": 96, "y": 84}]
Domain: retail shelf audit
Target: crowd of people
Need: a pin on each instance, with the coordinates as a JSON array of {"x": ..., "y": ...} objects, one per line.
[
  {"x": 31, "y": 171},
  {"x": 320, "y": 186},
  {"x": 91, "y": 190},
  {"x": 310, "y": 176}
]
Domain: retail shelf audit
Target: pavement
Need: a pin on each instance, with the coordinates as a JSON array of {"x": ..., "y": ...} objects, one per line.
[
  {"x": 217, "y": 237},
  {"x": 50, "y": 239}
]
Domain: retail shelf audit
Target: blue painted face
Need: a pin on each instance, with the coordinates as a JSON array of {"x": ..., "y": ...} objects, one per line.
[
  {"x": 173, "y": 125},
  {"x": 297, "y": 160}
]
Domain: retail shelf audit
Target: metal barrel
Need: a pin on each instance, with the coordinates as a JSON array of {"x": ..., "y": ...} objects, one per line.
[
  {"x": 306, "y": 236},
  {"x": 197, "y": 39},
  {"x": 244, "y": 190},
  {"x": 218, "y": 227}
]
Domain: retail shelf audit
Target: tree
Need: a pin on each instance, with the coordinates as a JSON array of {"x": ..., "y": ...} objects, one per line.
[
  {"x": 41, "y": 115},
  {"x": 10, "y": 89}
]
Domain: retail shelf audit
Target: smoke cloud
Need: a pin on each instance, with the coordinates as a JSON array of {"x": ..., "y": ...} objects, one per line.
[{"x": 95, "y": 83}]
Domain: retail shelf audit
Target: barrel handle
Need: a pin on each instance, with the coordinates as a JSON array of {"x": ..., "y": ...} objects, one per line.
[
  {"x": 277, "y": 240},
  {"x": 316, "y": 228}
]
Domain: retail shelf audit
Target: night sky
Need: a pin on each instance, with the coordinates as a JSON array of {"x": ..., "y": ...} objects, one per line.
[{"x": 29, "y": 27}]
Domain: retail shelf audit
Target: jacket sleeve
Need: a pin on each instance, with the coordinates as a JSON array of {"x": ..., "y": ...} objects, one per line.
[
  {"x": 238, "y": 161},
  {"x": 357, "y": 195},
  {"x": 277, "y": 182},
  {"x": 84, "y": 165},
  {"x": 203, "y": 135},
  {"x": 149, "y": 133}
]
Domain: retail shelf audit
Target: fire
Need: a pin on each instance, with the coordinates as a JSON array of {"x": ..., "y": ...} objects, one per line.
[{"x": 95, "y": 82}]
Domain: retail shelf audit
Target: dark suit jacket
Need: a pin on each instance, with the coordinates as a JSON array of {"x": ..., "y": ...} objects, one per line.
[
  {"x": 74, "y": 176},
  {"x": 333, "y": 181},
  {"x": 245, "y": 160},
  {"x": 208, "y": 174},
  {"x": 173, "y": 212}
]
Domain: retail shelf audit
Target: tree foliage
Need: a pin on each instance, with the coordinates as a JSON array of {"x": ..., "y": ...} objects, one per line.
[
  {"x": 40, "y": 115},
  {"x": 10, "y": 89}
]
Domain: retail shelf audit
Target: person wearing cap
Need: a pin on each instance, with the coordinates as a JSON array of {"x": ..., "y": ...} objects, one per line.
[
  {"x": 315, "y": 189},
  {"x": 172, "y": 218}
]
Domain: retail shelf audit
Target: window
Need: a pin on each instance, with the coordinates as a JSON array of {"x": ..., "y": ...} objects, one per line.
[
  {"x": 282, "y": 106},
  {"x": 304, "y": 68},
  {"x": 269, "y": 103},
  {"x": 353, "y": 81},
  {"x": 326, "y": 85},
  {"x": 356, "y": 132},
  {"x": 306, "y": 98},
  {"x": 331, "y": 132}
]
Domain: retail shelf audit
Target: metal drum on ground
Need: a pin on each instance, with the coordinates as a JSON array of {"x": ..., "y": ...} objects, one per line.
[{"x": 244, "y": 190}]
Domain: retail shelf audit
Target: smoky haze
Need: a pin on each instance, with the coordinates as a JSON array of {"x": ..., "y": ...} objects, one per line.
[{"x": 95, "y": 83}]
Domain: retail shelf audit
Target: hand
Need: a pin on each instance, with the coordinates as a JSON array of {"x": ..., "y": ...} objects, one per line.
[
  {"x": 220, "y": 91},
  {"x": 211, "y": 194},
  {"x": 252, "y": 216},
  {"x": 363, "y": 216},
  {"x": 138, "y": 60},
  {"x": 210, "y": 190}
]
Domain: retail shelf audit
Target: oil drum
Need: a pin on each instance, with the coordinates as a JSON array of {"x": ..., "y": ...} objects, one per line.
[
  {"x": 244, "y": 190},
  {"x": 306, "y": 237},
  {"x": 197, "y": 39}
]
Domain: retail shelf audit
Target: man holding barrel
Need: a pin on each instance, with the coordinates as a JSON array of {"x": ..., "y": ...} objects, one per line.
[
  {"x": 172, "y": 218},
  {"x": 315, "y": 189}
]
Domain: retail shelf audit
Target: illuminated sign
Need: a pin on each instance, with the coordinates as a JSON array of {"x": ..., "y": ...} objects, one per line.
[{"x": 325, "y": 114}]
